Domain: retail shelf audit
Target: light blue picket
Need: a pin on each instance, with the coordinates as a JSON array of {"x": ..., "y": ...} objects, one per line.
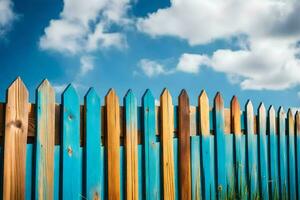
[
  {"x": 252, "y": 164},
  {"x": 70, "y": 142},
  {"x": 220, "y": 147},
  {"x": 297, "y": 121},
  {"x": 291, "y": 156},
  {"x": 152, "y": 184},
  {"x": 282, "y": 155},
  {"x": 273, "y": 155},
  {"x": 92, "y": 145},
  {"x": 263, "y": 157},
  {"x": 195, "y": 168}
]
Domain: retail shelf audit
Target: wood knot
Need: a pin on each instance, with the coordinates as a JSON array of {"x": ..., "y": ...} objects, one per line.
[
  {"x": 18, "y": 123},
  {"x": 70, "y": 117},
  {"x": 70, "y": 151},
  {"x": 220, "y": 188},
  {"x": 96, "y": 196}
]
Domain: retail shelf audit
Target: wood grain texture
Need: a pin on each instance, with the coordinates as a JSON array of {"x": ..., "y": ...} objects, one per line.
[
  {"x": 220, "y": 146},
  {"x": 167, "y": 128},
  {"x": 16, "y": 126},
  {"x": 44, "y": 177},
  {"x": 283, "y": 184},
  {"x": 273, "y": 155},
  {"x": 150, "y": 147},
  {"x": 131, "y": 146},
  {"x": 70, "y": 145},
  {"x": 184, "y": 146},
  {"x": 113, "y": 145},
  {"x": 291, "y": 156},
  {"x": 204, "y": 114},
  {"x": 262, "y": 154},
  {"x": 92, "y": 145}
]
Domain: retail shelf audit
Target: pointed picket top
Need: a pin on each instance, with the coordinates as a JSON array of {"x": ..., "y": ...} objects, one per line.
[
  {"x": 91, "y": 93},
  {"x": 166, "y": 97},
  {"x": 290, "y": 122},
  {"x": 297, "y": 122},
  {"x": 148, "y": 94},
  {"x": 249, "y": 107},
  {"x": 165, "y": 93},
  {"x": 236, "y": 116},
  {"x": 183, "y": 94},
  {"x": 281, "y": 112},
  {"x": 129, "y": 94},
  {"x": 45, "y": 85},
  {"x": 272, "y": 117},
  {"x": 18, "y": 83},
  {"x": 262, "y": 109},
  {"x": 262, "y": 118},
  {"x": 204, "y": 113},
  {"x": 218, "y": 102},
  {"x": 70, "y": 90},
  {"x": 111, "y": 94},
  {"x": 249, "y": 117}
]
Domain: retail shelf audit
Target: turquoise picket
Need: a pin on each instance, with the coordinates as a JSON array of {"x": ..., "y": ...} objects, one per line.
[
  {"x": 263, "y": 157},
  {"x": 70, "y": 146},
  {"x": 297, "y": 121},
  {"x": 56, "y": 171},
  {"x": 150, "y": 147},
  {"x": 252, "y": 164},
  {"x": 273, "y": 155},
  {"x": 92, "y": 145},
  {"x": 195, "y": 167},
  {"x": 282, "y": 155},
  {"x": 291, "y": 156},
  {"x": 220, "y": 147}
]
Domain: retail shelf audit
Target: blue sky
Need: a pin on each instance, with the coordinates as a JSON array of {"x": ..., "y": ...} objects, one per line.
[{"x": 245, "y": 48}]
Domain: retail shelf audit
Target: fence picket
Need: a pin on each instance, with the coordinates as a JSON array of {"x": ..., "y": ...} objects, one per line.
[
  {"x": 273, "y": 155},
  {"x": 291, "y": 155},
  {"x": 282, "y": 155},
  {"x": 184, "y": 146},
  {"x": 131, "y": 146},
  {"x": 151, "y": 153},
  {"x": 220, "y": 146},
  {"x": 297, "y": 121},
  {"x": 70, "y": 150},
  {"x": 44, "y": 177},
  {"x": 92, "y": 152},
  {"x": 113, "y": 145},
  {"x": 206, "y": 155},
  {"x": 263, "y": 157},
  {"x": 167, "y": 116},
  {"x": 252, "y": 164},
  {"x": 15, "y": 139}
]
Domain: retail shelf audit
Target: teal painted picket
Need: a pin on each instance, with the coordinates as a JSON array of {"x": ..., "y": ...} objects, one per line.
[{"x": 234, "y": 154}]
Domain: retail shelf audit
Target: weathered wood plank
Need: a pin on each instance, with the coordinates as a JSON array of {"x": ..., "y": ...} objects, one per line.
[
  {"x": 252, "y": 164},
  {"x": 273, "y": 155},
  {"x": 283, "y": 184},
  {"x": 16, "y": 126},
  {"x": 92, "y": 140},
  {"x": 239, "y": 156},
  {"x": 150, "y": 147},
  {"x": 44, "y": 162},
  {"x": 220, "y": 146},
  {"x": 297, "y": 121},
  {"x": 291, "y": 156},
  {"x": 184, "y": 146},
  {"x": 167, "y": 128},
  {"x": 113, "y": 144},
  {"x": 131, "y": 145},
  {"x": 206, "y": 156},
  {"x": 70, "y": 145},
  {"x": 263, "y": 157}
]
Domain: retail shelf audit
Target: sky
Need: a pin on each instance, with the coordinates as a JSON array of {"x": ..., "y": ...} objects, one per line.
[{"x": 246, "y": 48}]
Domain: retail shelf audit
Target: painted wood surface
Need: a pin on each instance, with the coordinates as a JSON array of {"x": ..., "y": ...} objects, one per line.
[
  {"x": 71, "y": 171},
  {"x": 206, "y": 153},
  {"x": 220, "y": 146},
  {"x": 297, "y": 121},
  {"x": 112, "y": 144},
  {"x": 44, "y": 177},
  {"x": 262, "y": 154},
  {"x": 131, "y": 146},
  {"x": 273, "y": 155},
  {"x": 291, "y": 155},
  {"x": 167, "y": 127},
  {"x": 150, "y": 147},
  {"x": 283, "y": 187},
  {"x": 92, "y": 152},
  {"x": 251, "y": 157},
  {"x": 15, "y": 139},
  {"x": 184, "y": 146}
]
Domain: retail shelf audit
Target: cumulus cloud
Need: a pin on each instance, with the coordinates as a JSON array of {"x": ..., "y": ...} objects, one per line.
[
  {"x": 87, "y": 64},
  {"x": 7, "y": 16},
  {"x": 268, "y": 57},
  {"x": 152, "y": 68},
  {"x": 191, "y": 63},
  {"x": 85, "y": 26}
]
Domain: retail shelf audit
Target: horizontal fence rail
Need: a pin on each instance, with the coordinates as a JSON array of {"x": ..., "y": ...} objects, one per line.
[{"x": 107, "y": 151}]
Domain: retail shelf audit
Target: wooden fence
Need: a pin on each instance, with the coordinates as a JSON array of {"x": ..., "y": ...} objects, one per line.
[{"x": 70, "y": 151}]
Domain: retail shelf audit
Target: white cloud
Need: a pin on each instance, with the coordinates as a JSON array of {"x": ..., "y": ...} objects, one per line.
[
  {"x": 85, "y": 26},
  {"x": 268, "y": 57},
  {"x": 152, "y": 68},
  {"x": 87, "y": 64},
  {"x": 7, "y": 16},
  {"x": 191, "y": 63},
  {"x": 298, "y": 94}
]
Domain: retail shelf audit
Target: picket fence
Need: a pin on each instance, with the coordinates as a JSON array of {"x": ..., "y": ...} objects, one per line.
[{"x": 73, "y": 151}]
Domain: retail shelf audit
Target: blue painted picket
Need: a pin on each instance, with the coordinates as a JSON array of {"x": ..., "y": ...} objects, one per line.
[{"x": 234, "y": 154}]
